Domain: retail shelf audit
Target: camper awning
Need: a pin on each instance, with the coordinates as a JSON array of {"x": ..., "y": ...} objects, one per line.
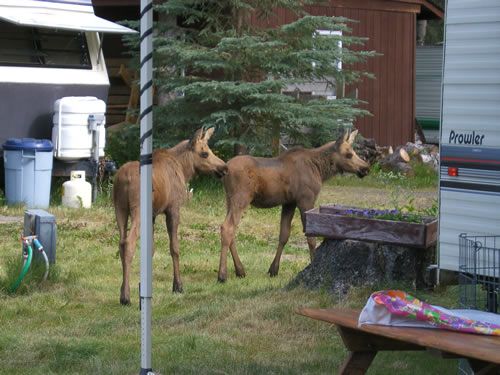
[{"x": 75, "y": 15}]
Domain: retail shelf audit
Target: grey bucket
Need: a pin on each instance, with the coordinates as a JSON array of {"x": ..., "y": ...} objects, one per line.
[{"x": 28, "y": 171}]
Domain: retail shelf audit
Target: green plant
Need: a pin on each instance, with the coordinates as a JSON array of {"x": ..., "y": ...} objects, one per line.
[
  {"x": 405, "y": 216},
  {"x": 406, "y": 213},
  {"x": 105, "y": 193},
  {"x": 433, "y": 210},
  {"x": 56, "y": 190},
  {"x": 218, "y": 69},
  {"x": 407, "y": 210},
  {"x": 424, "y": 177},
  {"x": 401, "y": 198},
  {"x": 123, "y": 145}
]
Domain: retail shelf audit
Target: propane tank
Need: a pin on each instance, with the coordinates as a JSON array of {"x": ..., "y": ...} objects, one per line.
[{"x": 77, "y": 192}]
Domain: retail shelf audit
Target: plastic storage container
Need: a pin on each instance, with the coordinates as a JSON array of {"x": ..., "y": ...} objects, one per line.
[
  {"x": 43, "y": 225},
  {"x": 71, "y": 135},
  {"x": 28, "y": 171},
  {"x": 77, "y": 192}
]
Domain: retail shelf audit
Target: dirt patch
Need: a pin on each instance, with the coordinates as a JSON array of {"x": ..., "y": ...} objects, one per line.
[{"x": 10, "y": 219}]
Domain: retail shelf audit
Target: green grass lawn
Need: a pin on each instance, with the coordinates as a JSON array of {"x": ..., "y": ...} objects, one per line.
[{"x": 74, "y": 324}]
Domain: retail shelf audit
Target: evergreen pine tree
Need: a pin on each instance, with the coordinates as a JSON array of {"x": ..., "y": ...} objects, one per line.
[{"x": 219, "y": 70}]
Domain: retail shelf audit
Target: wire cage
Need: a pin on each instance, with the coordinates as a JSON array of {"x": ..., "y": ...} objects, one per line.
[{"x": 479, "y": 272}]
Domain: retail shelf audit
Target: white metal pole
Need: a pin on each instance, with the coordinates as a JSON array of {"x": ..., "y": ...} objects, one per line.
[{"x": 146, "y": 162}]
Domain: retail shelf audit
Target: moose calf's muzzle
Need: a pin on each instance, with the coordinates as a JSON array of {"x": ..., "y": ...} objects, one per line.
[
  {"x": 363, "y": 172},
  {"x": 221, "y": 171}
]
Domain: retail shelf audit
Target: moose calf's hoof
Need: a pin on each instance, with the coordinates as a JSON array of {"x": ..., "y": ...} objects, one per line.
[
  {"x": 240, "y": 274},
  {"x": 221, "y": 279},
  {"x": 177, "y": 288},
  {"x": 125, "y": 302},
  {"x": 273, "y": 272}
]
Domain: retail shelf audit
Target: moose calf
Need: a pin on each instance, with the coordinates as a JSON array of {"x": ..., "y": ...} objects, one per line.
[
  {"x": 290, "y": 180},
  {"x": 172, "y": 170}
]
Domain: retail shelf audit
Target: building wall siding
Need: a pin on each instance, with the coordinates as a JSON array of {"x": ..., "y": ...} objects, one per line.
[
  {"x": 428, "y": 84},
  {"x": 390, "y": 96}
]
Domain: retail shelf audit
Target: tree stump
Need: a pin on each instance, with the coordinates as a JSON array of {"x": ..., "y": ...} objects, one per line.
[{"x": 340, "y": 264}]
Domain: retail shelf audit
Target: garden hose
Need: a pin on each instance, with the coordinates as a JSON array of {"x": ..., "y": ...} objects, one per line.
[
  {"x": 27, "y": 255},
  {"x": 39, "y": 247}
]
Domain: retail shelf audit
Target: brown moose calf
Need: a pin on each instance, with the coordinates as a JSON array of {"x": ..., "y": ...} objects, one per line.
[
  {"x": 172, "y": 170},
  {"x": 291, "y": 180}
]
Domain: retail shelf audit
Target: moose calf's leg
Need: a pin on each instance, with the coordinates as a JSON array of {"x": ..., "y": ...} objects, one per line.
[
  {"x": 172, "y": 218},
  {"x": 125, "y": 288},
  {"x": 127, "y": 250},
  {"x": 311, "y": 242},
  {"x": 287, "y": 212},
  {"x": 227, "y": 238},
  {"x": 238, "y": 266}
]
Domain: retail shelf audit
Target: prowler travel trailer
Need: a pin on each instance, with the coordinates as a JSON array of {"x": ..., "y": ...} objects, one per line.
[
  {"x": 49, "y": 49},
  {"x": 470, "y": 130}
]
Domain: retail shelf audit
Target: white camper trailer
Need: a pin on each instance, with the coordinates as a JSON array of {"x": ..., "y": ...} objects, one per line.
[
  {"x": 49, "y": 49},
  {"x": 470, "y": 126}
]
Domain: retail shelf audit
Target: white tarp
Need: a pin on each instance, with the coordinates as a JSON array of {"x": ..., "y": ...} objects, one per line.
[{"x": 75, "y": 15}]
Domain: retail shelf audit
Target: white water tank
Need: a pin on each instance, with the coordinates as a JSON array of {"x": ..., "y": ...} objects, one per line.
[
  {"x": 71, "y": 134},
  {"x": 77, "y": 192}
]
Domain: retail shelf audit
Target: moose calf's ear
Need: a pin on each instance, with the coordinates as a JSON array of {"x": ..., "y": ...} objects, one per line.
[
  {"x": 352, "y": 136},
  {"x": 198, "y": 135},
  {"x": 208, "y": 134},
  {"x": 343, "y": 137}
]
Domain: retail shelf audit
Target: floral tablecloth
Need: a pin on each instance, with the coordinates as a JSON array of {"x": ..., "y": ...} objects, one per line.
[{"x": 398, "y": 308}]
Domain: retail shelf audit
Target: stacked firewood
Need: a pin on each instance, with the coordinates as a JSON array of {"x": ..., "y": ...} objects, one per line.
[
  {"x": 399, "y": 160},
  {"x": 367, "y": 149}
]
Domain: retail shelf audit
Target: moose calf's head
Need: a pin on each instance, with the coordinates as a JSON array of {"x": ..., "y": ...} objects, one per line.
[
  {"x": 204, "y": 160},
  {"x": 345, "y": 159}
]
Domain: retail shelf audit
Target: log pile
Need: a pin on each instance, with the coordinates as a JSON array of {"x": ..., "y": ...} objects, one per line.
[
  {"x": 367, "y": 149},
  {"x": 398, "y": 160}
]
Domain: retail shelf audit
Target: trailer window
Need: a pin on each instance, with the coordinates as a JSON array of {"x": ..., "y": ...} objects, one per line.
[{"x": 30, "y": 46}]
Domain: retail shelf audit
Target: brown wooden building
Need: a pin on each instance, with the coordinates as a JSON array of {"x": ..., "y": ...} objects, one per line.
[{"x": 389, "y": 25}]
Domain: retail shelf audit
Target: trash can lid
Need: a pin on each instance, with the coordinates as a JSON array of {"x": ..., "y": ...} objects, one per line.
[{"x": 31, "y": 144}]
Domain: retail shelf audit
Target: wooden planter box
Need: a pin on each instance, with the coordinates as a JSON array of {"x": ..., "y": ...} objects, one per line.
[{"x": 330, "y": 221}]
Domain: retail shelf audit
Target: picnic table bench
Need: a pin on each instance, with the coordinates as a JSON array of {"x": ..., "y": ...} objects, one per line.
[{"x": 363, "y": 343}]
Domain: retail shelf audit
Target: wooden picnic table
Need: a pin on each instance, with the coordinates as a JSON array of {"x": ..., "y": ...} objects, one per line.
[{"x": 363, "y": 343}]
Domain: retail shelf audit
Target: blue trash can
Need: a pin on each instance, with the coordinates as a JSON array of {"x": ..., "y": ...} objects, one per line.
[{"x": 28, "y": 171}]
